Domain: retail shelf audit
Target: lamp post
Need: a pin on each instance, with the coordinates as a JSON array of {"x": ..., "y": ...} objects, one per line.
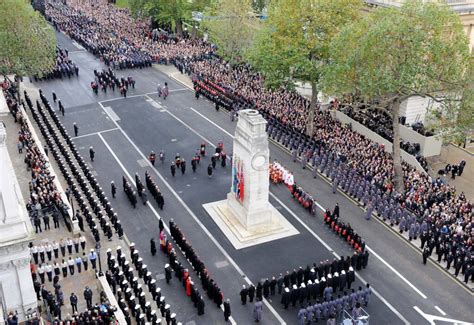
[{"x": 97, "y": 247}]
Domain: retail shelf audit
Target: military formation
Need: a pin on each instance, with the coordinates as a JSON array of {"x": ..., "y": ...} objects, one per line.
[
  {"x": 128, "y": 289},
  {"x": 64, "y": 67},
  {"x": 209, "y": 285},
  {"x": 106, "y": 79}
]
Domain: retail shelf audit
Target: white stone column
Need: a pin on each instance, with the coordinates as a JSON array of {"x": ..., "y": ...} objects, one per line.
[
  {"x": 246, "y": 217},
  {"x": 248, "y": 198}
]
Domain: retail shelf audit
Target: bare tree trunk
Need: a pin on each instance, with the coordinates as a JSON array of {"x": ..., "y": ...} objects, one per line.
[
  {"x": 397, "y": 155},
  {"x": 179, "y": 27},
  {"x": 194, "y": 31},
  {"x": 312, "y": 109}
]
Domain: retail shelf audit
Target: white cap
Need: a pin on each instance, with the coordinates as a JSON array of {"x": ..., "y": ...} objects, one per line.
[
  {"x": 166, "y": 265},
  {"x": 294, "y": 286},
  {"x": 323, "y": 279},
  {"x": 329, "y": 276},
  {"x": 336, "y": 274},
  {"x": 302, "y": 285},
  {"x": 167, "y": 306},
  {"x": 162, "y": 298},
  {"x": 343, "y": 272},
  {"x": 310, "y": 282},
  {"x": 351, "y": 269},
  {"x": 316, "y": 281},
  {"x": 287, "y": 290}
]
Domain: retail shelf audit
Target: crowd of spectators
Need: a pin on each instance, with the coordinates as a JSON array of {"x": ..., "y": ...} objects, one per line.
[
  {"x": 44, "y": 196},
  {"x": 120, "y": 41},
  {"x": 112, "y": 34}
]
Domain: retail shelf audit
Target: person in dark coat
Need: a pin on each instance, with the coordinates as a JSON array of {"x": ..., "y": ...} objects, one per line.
[
  {"x": 153, "y": 246},
  {"x": 209, "y": 170},
  {"x": 243, "y": 295},
  {"x": 200, "y": 306},
  {"x": 259, "y": 290},
  {"x": 183, "y": 166},
  {"x": 227, "y": 310},
  {"x": 251, "y": 292},
  {"x": 113, "y": 189},
  {"x": 173, "y": 168},
  {"x": 91, "y": 153}
]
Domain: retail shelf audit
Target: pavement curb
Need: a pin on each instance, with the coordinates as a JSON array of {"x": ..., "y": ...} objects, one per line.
[{"x": 327, "y": 180}]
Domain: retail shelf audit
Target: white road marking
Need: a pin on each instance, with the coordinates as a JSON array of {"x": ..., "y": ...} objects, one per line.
[
  {"x": 110, "y": 112},
  {"x": 93, "y": 133},
  {"x": 206, "y": 231},
  {"x": 222, "y": 264},
  {"x": 440, "y": 311},
  {"x": 309, "y": 229},
  {"x": 432, "y": 318},
  {"x": 371, "y": 250},
  {"x": 178, "y": 89},
  {"x": 393, "y": 309}
]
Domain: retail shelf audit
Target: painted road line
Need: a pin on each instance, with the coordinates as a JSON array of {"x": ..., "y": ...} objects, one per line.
[
  {"x": 93, "y": 133},
  {"x": 432, "y": 318},
  {"x": 148, "y": 202},
  {"x": 392, "y": 308},
  {"x": 396, "y": 312},
  {"x": 371, "y": 250},
  {"x": 440, "y": 311},
  {"x": 191, "y": 213}
]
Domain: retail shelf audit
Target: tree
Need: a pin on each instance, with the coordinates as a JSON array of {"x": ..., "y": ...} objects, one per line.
[
  {"x": 454, "y": 119},
  {"x": 27, "y": 41},
  {"x": 172, "y": 12},
  {"x": 294, "y": 43},
  {"x": 392, "y": 54},
  {"x": 232, "y": 26}
]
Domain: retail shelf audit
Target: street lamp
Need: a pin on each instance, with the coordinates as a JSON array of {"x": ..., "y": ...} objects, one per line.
[{"x": 97, "y": 247}]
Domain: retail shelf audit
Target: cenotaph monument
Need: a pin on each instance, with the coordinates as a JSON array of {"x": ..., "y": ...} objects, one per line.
[{"x": 246, "y": 217}]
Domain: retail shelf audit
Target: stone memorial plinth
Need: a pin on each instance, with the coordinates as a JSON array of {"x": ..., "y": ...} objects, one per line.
[{"x": 246, "y": 217}]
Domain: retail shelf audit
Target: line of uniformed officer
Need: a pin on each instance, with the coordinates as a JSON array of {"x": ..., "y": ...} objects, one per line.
[
  {"x": 100, "y": 206},
  {"x": 154, "y": 190},
  {"x": 183, "y": 275},
  {"x": 209, "y": 285},
  {"x": 333, "y": 306},
  {"x": 131, "y": 194},
  {"x": 130, "y": 290}
]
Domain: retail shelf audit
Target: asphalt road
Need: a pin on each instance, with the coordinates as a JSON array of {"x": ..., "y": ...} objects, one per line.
[{"x": 124, "y": 131}]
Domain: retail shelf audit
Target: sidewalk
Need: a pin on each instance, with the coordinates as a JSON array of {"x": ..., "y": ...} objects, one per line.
[
  {"x": 77, "y": 282},
  {"x": 172, "y": 72},
  {"x": 453, "y": 155}
]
